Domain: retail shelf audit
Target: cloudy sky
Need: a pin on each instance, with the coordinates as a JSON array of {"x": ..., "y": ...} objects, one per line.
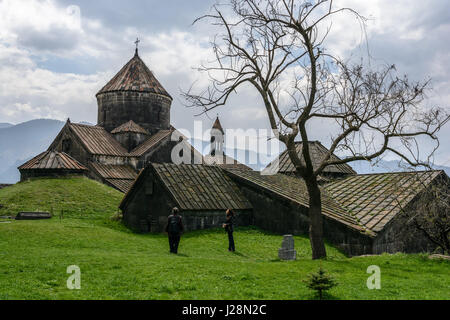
[{"x": 56, "y": 54}]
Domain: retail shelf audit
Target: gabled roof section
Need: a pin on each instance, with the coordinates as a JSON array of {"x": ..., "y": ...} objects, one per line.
[
  {"x": 123, "y": 185},
  {"x": 135, "y": 76},
  {"x": 120, "y": 177},
  {"x": 317, "y": 151},
  {"x": 375, "y": 199},
  {"x": 97, "y": 140},
  {"x": 50, "y": 160},
  {"x": 130, "y": 126},
  {"x": 195, "y": 187},
  {"x": 152, "y": 142},
  {"x": 294, "y": 190},
  {"x": 110, "y": 171}
]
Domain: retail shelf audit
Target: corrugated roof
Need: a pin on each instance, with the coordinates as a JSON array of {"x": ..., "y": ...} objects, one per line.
[
  {"x": 150, "y": 143},
  {"x": 52, "y": 160},
  {"x": 374, "y": 199},
  {"x": 122, "y": 185},
  {"x": 97, "y": 140},
  {"x": 294, "y": 189},
  {"x": 135, "y": 76},
  {"x": 197, "y": 187},
  {"x": 317, "y": 151},
  {"x": 120, "y": 177},
  {"x": 130, "y": 126},
  {"x": 109, "y": 171}
]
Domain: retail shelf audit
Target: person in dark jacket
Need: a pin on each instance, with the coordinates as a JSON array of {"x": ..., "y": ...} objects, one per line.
[
  {"x": 174, "y": 229},
  {"x": 229, "y": 228}
]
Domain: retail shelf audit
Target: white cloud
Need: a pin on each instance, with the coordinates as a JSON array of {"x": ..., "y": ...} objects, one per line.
[{"x": 405, "y": 32}]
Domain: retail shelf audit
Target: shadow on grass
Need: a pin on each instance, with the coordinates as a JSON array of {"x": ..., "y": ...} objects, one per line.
[
  {"x": 240, "y": 254},
  {"x": 181, "y": 255}
]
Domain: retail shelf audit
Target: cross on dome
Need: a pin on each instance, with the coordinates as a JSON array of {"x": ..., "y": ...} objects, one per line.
[{"x": 137, "y": 44}]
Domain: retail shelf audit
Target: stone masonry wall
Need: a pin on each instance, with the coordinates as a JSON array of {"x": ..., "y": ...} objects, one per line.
[
  {"x": 281, "y": 216},
  {"x": 150, "y": 111},
  {"x": 151, "y": 204}
]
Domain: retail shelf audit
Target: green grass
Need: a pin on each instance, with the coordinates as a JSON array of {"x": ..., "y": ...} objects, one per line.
[{"x": 118, "y": 264}]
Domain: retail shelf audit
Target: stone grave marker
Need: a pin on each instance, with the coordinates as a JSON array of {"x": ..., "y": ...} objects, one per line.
[{"x": 287, "y": 251}]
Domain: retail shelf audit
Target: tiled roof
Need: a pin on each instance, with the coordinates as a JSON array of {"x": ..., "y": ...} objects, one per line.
[
  {"x": 122, "y": 185},
  {"x": 97, "y": 140},
  {"x": 120, "y": 177},
  {"x": 225, "y": 162},
  {"x": 198, "y": 187},
  {"x": 294, "y": 189},
  {"x": 52, "y": 160},
  {"x": 317, "y": 151},
  {"x": 374, "y": 199},
  {"x": 109, "y": 171},
  {"x": 130, "y": 126},
  {"x": 150, "y": 143},
  {"x": 134, "y": 76}
]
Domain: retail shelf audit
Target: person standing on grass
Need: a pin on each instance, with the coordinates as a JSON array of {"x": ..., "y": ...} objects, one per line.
[
  {"x": 174, "y": 229},
  {"x": 228, "y": 226}
]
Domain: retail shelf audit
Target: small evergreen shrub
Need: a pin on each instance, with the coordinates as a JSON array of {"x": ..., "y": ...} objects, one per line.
[{"x": 320, "y": 281}]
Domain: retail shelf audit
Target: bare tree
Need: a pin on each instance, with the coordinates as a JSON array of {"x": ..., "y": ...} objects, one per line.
[
  {"x": 278, "y": 47},
  {"x": 431, "y": 214}
]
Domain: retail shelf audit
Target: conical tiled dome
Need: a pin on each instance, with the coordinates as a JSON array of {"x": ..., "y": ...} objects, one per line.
[
  {"x": 134, "y": 94},
  {"x": 135, "y": 76}
]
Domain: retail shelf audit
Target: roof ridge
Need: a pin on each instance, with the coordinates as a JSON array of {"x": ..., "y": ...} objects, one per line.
[
  {"x": 85, "y": 125},
  {"x": 130, "y": 126},
  {"x": 397, "y": 172}
]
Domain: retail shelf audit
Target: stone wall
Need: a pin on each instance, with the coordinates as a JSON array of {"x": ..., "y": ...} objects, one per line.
[
  {"x": 160, "y": 154},
  {"x": 54, "y": 173},
  {"x": 400, "y": 235},
  {"x": 130, "y": 140},
  {"x": 207, "y": 219},
  {"x": 148, "y": 208},
  {"x": 279, "y": 215},
  {"x": 67, "y": 142},
  {"x": 150, "y": 205},
  {"x": 151, "y": 111},
  {"x": 111, "y": 160}
]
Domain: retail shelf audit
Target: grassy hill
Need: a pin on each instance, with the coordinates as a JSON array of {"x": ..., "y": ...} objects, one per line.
[
  {"x": 117, "y": 264},
  {"x": 77, "y": 197}
]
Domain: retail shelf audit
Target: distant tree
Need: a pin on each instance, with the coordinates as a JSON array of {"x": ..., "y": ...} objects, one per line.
[
  {"x": 320, "y": 281},
  {"x": 278, "y": 48}
]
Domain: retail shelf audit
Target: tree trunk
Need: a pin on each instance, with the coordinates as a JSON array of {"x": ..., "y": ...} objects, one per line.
[{"x": 315, "y": 217}]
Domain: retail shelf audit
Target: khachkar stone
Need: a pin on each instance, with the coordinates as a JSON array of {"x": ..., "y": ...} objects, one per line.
[{"x": 287, "y": 252}]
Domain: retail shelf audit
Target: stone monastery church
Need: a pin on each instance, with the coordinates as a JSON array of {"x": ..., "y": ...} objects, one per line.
[{"x": 131, "y": 150}]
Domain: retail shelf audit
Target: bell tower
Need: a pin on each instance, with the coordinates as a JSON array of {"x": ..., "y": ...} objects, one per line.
[{"x": 217, "y": 139}]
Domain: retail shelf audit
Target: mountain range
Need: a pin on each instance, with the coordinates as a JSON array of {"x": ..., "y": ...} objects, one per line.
[{"x": 19, "y": 143}]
